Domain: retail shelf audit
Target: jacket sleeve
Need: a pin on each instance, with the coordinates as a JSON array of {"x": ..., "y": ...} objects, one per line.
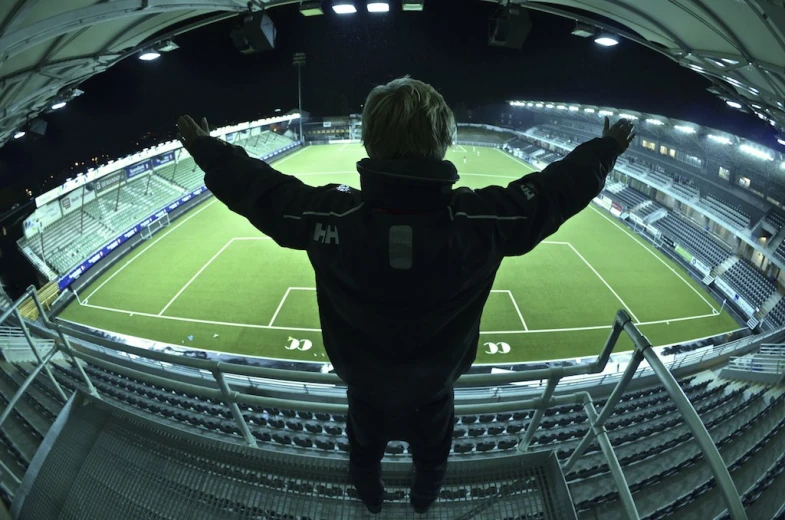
[
  {"x": 532, "y": 208},
  {"x": 272, "y": 201}
]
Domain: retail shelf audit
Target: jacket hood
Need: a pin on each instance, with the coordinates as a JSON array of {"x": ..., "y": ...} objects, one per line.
[{"x": 407, "y": 184}]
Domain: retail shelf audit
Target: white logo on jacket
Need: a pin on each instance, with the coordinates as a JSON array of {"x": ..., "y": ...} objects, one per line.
[{"x": 325, "y": 235}]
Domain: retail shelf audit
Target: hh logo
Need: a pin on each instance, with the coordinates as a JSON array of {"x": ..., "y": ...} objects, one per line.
[{"x": 325, "y": 235}]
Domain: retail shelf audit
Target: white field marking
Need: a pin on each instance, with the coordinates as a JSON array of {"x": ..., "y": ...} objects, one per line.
[
  {"x": 657, "y": 257},
  {"x": 250, "y": 326},
  {"x": 677, "y": 319},
  {"x": 512, "y": 157},
  {"x": 606, "y": 284},
  {"x": 278, "y": 163},
  {"x": 555, "y": 243},
  {"x": 462, "y": 148},
  {"x": 252, "y": 238},
  {"x": 210, "y": 261},
  {"x": 275, "y": 315},
  {"x": 314, "y": 174},
  {"x": 515, "y": 304},
  {"x": 193, "y": 320},
  {"x": 342, "y": 147},
  {"x": 189, "y": 217}
]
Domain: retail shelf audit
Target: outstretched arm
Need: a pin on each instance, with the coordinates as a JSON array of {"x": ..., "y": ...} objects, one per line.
[
  {"x": 250, "y": 187},
  {"x": 538, "y": 204}
]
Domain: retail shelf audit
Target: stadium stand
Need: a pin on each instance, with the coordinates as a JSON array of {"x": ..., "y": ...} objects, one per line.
[
  {"x": 647, "y": 208},
  {"x": 779, "y": 253},
  {"x": 700, "y": 243},
  {"x": 657, "y": 452},
  {"x": 775, "y": 219},
  {"x": 628, "y": 197},
  {"x": 777, "y": 313},
  {"x": 732, "y": 214},
  {"x": 749, "y": 282}
]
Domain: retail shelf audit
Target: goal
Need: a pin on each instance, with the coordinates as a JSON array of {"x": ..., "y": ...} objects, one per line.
[{"x": 149, "y": 230}]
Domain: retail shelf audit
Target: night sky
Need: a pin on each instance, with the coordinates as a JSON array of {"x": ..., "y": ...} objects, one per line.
[{"x": 347, "y": 56}]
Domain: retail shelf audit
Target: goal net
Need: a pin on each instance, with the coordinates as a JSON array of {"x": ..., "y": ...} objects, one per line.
[{"x": 149, "y": 230}]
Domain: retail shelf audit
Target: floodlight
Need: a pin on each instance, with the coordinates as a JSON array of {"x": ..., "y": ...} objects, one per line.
[
  {"x": 149, "y": 55},
  {"x": 412, "y": 5},
  {"x": 628, "y": 116},
  {"x": 561, "y": 107},
  {"x": 583, "y": 30},
  {"x": 529, "y": 104},
  {"x": 732, "y": 62},
  {"x": 781, "y": 141},
  {"x": 782, "y": 165},
  {"x": 733, "y": 104},
  {"x": 697, "y": 68},
  {"x": 755, "y": 152},
  {"x": 19, "y": 134},
  {"x": 720, "y": 139},
  {"x": 378, "y": 6},
  {"x": 655, "y": 122},
  {"x": 605, "y": 113},
  {"x": 539, "y": 105},
  {"x": 685, "y": 129},
  {"x": 344, "y": 7},
  {"x": 58, "y": 105},
  {"x": 574, "y": 109},
  {"x": 167, "y": 46},
  {"x": 549, "y": 105},
  {"x": 589, "y": 110},
  {"x": 311, "y": 8},
  {"x": 606, "y": 40}
]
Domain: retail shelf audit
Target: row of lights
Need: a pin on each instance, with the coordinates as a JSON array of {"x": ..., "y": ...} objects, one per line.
[
  {"x": 314, "y": 7},
  {"x": 748, "y": 149}
]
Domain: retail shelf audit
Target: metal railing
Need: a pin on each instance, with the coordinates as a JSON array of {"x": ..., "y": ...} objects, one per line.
[{"x": 554, "y": 376}]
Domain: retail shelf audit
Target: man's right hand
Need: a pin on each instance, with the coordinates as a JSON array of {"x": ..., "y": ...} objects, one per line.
[{"x": 621, "y": 131}]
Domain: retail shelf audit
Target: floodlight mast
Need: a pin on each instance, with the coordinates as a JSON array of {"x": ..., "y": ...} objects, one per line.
[{"x": 299, "y": 62}]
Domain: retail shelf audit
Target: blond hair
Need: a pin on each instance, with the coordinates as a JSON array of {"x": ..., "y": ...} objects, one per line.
[{"x": 407, "y": 118}]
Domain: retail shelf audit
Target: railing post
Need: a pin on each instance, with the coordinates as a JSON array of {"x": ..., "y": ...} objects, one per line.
[
  {"x": 66, "y": 346},
  {"x": 724, "y": 481},
  {"x": 232, "y": 404},
  {"x": 535, "y": 422},
  {"x": 6, "y": 470},
  {"x": 23, "y": 387},
  {"x": 37, "y": 354},
  {"x": 613, "y": 462},
  {"x": 610, "y": 405}
]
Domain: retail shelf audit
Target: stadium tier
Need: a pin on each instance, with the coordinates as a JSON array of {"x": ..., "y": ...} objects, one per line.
[
  {"x": 694, "y": 239},
  {"x": 749, "y": 282},
  {"x": 732, "y": 214},
  {"x": 775, "y": 219}
]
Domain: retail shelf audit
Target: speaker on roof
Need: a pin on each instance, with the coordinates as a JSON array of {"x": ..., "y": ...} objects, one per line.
[
  {"x": 509, "y": 27},
  {"x": 255, "y": 34}
]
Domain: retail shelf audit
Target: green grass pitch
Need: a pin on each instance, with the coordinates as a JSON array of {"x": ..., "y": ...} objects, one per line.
[{"x": 212, "y": 276}]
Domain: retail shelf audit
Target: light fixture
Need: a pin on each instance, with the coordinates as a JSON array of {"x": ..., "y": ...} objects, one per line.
[
  {"x": 755, "y": 152},
  {"x": 782, "y": 165},
  {"x": 561, "y": 107},
  {"x": 781, "y": 141},
  {"x": 583, "y": 30},
  {"x": 412, "y": 5},
  {"x": 377, "y": 6},
  {"x": 606, "y": 40},
  {"x": 685, "y": 129},
  {"x": 344, "y": 7},
  {"x": 655, "y": 122},
  {"x": 549, "y": 105},
  {"x": 167, "y": 46},
  {"x": 696, "y": 68},
  {"x": 313, "y": 8},
  {"x": 603, "y": 113},
  {"x": 574, "y": 109},
  {"x": 732, "y": 62},
  {"x": 539, "y": 105},
  {"x": 58, "y": 105},
  {"x": 628, "y": 116},
  {"x": 529, "y": 104},
  {"x": 589, "y": 110},
  {"x": 733, "y": 104},
  {"x": 719, "y": 139},
  {"x": 149, "y": 55},
  {"x": 19, "y": 134}
]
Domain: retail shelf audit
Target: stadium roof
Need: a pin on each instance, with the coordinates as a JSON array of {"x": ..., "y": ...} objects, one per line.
[
  {"x": 47, "y": 48},
  {"x": 737, "y": 44}
]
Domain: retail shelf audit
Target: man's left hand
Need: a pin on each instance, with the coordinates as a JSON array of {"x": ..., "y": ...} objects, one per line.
[{"x": 189, "y": 130}]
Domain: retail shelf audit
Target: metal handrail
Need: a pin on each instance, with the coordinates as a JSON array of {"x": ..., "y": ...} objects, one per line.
[{"x": 218, "y": 370}]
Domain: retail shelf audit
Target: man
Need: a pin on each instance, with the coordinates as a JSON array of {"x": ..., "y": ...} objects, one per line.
[{"x": 405, "y": 265}]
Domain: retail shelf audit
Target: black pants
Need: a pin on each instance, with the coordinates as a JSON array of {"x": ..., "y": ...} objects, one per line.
[{"x": 427, "y": 428}]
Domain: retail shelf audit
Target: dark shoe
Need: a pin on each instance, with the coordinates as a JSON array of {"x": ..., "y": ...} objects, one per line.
[
  {"x": 369, "y": 486},
  {"x": 420, "y": 507},
  {"x": 375, "y": 507}
]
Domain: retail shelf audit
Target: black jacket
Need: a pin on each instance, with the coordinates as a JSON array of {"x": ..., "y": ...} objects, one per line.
[{"x": 405, "y": 265}]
